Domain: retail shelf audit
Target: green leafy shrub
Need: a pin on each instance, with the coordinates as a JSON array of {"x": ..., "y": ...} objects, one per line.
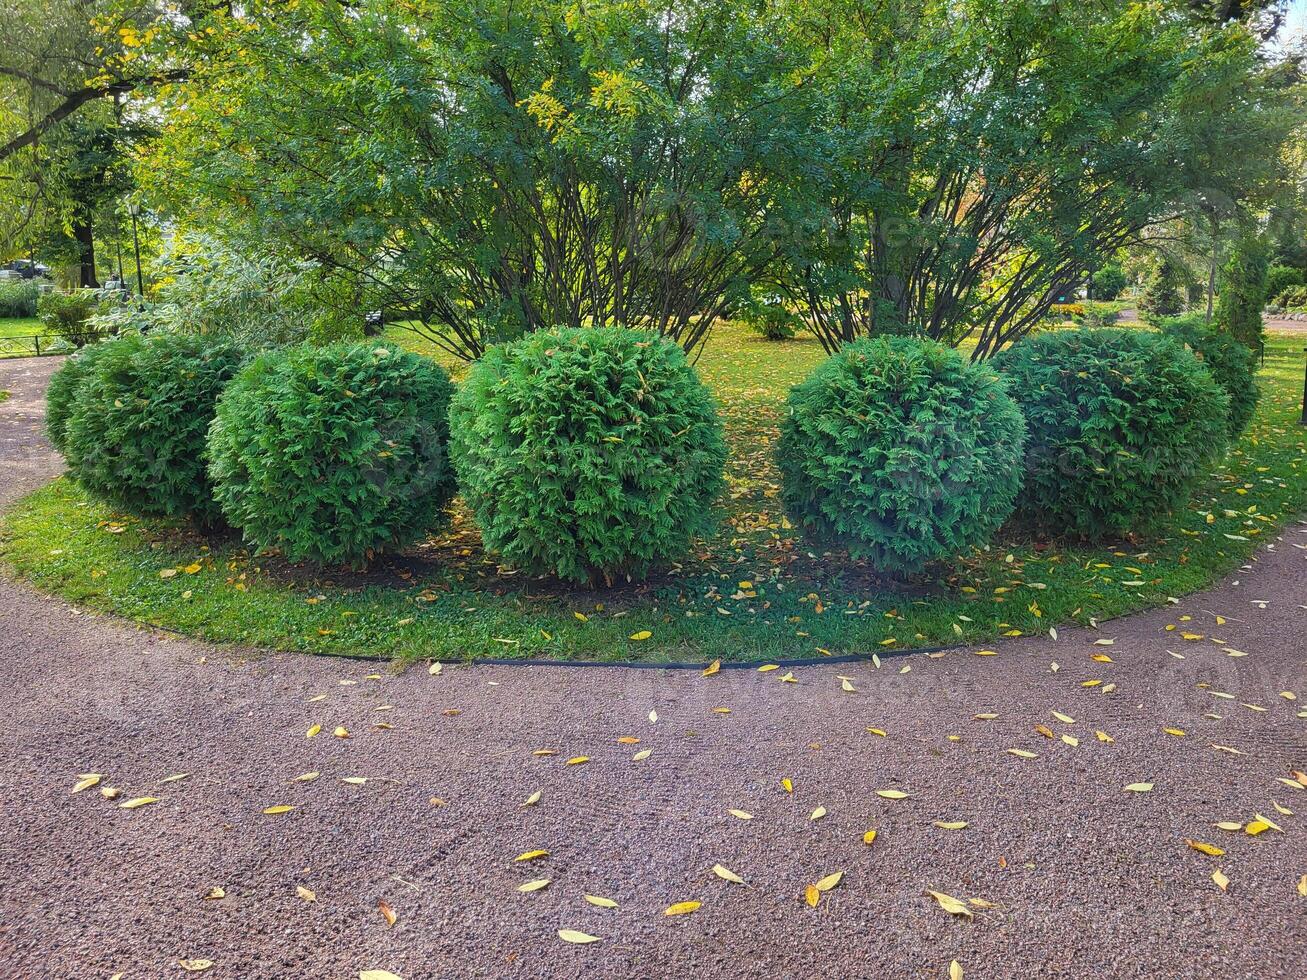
[
  {"x": 1280, "y": 278},
  {"x": 1162, "y": 295},
  {"x": 1108, "y": 282},
  {"x": 136, "y": 430},
  {"x": 1293, "y": 298},
  {"x": 769, "y": 318},
  {"x": 588, "y": 453},
  {"x": 1232, "y": 365},
  {"x": 902, "y": 451},
  {"x": 62, "y": 390},
  {"x": 18, "y": 297},
  {"x": 1121, "y": 425},
  {"x": 66, "y": 314},
  {"x": 1242, "y": 292},
  {"x": 333, "y": 453}
]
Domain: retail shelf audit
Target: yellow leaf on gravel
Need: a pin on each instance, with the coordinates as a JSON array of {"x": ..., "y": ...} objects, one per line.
[
  {"x": 272, "y": 811},
  {"x": 307, "y": 777},
  {"x": 741, "y": 814},
  {"x": 818, "y": 813},
  {"x": 892, "y": 794},
  {"x": 985, "y": 716},
  {"x": 869, "y": 837},
  {"x": 1139, "y": 788},
  {"x": 1222, "y": 882},
  {"x": 986, "y": 653},
  {"x": 313, "y": 730},
  {"x": 378, "y": 975},
  {"x": 1021, "y": 753},
  {"x": 846, "y": 685},
  {"x": 1256, "y": 827},
  {"x": 533, "y": 799},
  {"x": 811, "y": 895},
  {"x": 436, "y": 668},
  {"x": 87, "y": 781},
  {"x": 577, "y": 760},
  {"x": 138, "y": 802},
  {"x": 1065, "y": 719},
  {"x": 305, "y": 893},
  {"x": 766, "y": 667},
  {"x": 1198, "y": 845},
  {"x": 534, "y": 886},
  {"x": 955, "y": 971},
  {"x": 1101, "y": 658},
  {"x": 642, "y": 755},
  {"x": 950, "y": 904},
  {"x": 641, "y": 635},
  {"x": 1302, "y": 886},
  {"x": 787, "y": 785},
  {"x": 1178, "y": 732},
  {"x": 195, "y": 966},
  {"x": 712, "y": 668},
  {"x": 386, "y": 911},
  {"x": 531, "y": 855},
  {"x": 1071, "y": 740},
  {"x": 1230, "y": 825},
  {"x": 341, "y": 732},
  {"x": 726, "y": 874},
  {"x": 600, "y": 901},
  {"x": 829, "y": 882},
  {"x": 1103, "y": 642},
  {"x": 572, "y": 936},
  {"x": 950, "y": 824},
  {"x": 682, "y": 908},
  {"x": 354, "y": 780},
  {"x": 1104, "y": 737},
  {"x": 215, "y": 894}
]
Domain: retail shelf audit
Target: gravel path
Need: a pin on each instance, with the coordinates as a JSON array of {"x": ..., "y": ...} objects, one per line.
[{"x": 1078, "y": 877}]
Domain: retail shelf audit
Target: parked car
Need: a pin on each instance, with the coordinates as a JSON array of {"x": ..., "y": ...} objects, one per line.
[{"x": 26, "y": 269}]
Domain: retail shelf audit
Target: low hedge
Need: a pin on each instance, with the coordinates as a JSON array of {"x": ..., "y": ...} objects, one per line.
[
  {"x": 333, "y": 453},
  {"x": 901, "y": 451},
  {"x": 62, "y": 390},
  {"x": 589, "y": 454},
  {"x": 1233, "y": 365},
  {"x": 1122, "y": 424},
  {"x": 138, "y": 420}
]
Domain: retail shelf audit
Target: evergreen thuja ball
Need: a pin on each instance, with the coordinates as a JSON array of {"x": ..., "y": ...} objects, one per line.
[
  {"x": 900, "y": 451},
  {"x": 589, "y": 454}
]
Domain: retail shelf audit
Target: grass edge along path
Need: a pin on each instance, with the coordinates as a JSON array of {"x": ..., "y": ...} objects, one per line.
[{"x": 756, "y": 592}]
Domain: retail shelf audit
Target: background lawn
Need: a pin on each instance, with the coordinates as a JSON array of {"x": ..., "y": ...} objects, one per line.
[
  {"x": 755, "y": 590},
  {"x": 21, "y": 326}
]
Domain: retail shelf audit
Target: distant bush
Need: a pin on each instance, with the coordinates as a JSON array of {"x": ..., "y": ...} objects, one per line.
[
  {"x": 769, "y": 318},
  {"x": 1122, "y": 423},
  {"x": 1242, "y": 292},
  {"x": 334, "y": 453},
  {"x": 61, "y": 392},
  {"x": 136, "y": 429},
  {"x": 590, "y": 454},
  {"x": 1067, "y": 311},
  {"x": 1162, "y": 295},
  {"x": 18, "y": 297},
  {"x": 901, "y": 451},
  {"x": 1100, "y": 314},
  {"x": 1232, "y": 365},
  {"x": 1280, "y": 278},
  {"x": 67, "y": 314},
  {"x": 1108, "y": 282}
]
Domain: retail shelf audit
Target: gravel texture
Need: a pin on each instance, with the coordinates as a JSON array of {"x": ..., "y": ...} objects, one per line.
[{"x": 1085, "y": 879}]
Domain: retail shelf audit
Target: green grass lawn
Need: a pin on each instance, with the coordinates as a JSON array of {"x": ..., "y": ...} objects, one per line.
[
  {"x": 755, "y": 590},
  {"x": 21, "y": 326}
]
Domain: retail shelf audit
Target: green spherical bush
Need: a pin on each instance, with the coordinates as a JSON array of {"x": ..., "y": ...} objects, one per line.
[
  {"x": 331, "y": 454},
  {"x": 1232, "y": 364},
  {"x": 901, "y": 451},
  {"x": 589, "y": 454},
  {"x": 137, "y": 423},
  {"x": 1122, "y": 425},
  {"x": 62, "y": 390}
]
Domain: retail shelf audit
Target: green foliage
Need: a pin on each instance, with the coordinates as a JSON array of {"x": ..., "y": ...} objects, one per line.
[
  {"x": 135, "y": 435},
  {"x": 61, "y": 393},
  {"x": 66, "y": 314},
  {"x": 1162, "y": 295},
  {"x": 1294, "y": 298},
  {"x": 1108, "y": 282},
  {"x": 769, "y": 318},
  {"x": 18, "y": 297},
  {"x": 1122, "y": 423},
  {"x": 334, "y": 453},
  {"x": 1100, "y": 313},
  {"x": 1242, "y": 292},
  {"x": 590, "y": 454},
  {"x": 1232, "y": 365},
  {"x": 901, "y": 451},
  {"x": 1280, "y": 278}
]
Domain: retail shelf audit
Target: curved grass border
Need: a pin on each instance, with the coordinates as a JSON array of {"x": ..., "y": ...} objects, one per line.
[{"x": 156, "y": 574}]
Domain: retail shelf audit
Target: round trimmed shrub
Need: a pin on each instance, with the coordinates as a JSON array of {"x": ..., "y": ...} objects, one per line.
[
  {"x": 588, "y": 453},
  {"x": 62, "y": 390},
  {"x": 901, "y": 451},
  {"x": 1232, "y": 364},
  {"x": 137, "y": 423},
  {"x": 1122, "y": 423},
  {"x": 333, "y": 453}
]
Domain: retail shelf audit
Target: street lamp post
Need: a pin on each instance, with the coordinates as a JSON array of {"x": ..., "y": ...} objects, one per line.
[{"x": 134, "y": 209}]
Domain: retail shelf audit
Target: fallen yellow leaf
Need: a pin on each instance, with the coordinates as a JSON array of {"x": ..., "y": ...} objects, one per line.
[
  {"x": 534, "y": 886},
  {"x": 600, "y": 901},
  {"x": 726, "y": 874},
  {"x": 829, "y": 882},
  {"x": 1211, "y": 849},
  {"x": 279, "y": 808},
  {"x": 1139, "y": 788},
  {"x": 138, "y": 802},
  {"x": 571, "y": 935},
  {"x": 641, "y": 635},
  {"x": 892, "y": 794},
  {"x": 950, "y": 904},
  {"x": 712, "y": 668},
  {"x": 531, "y": 855},
  {"x": 682, "y": 908}
]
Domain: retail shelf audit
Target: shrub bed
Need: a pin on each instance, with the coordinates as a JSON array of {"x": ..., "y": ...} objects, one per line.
[
  {"x": 588, "y": 454},
  {"x": 61, "y": 393},
  {"x": 138, "y": 419},
  {"x": 334, "y": 453},
  {"x": 1121, "y": 424},
  {"x": 1232, "y": 365},
  {"x": 901, "y": 451}
]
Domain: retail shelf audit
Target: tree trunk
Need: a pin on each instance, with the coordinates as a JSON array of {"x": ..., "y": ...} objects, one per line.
[
  {"x": 1211, "y": 268},
  {"x": 85, "y": 237}
]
